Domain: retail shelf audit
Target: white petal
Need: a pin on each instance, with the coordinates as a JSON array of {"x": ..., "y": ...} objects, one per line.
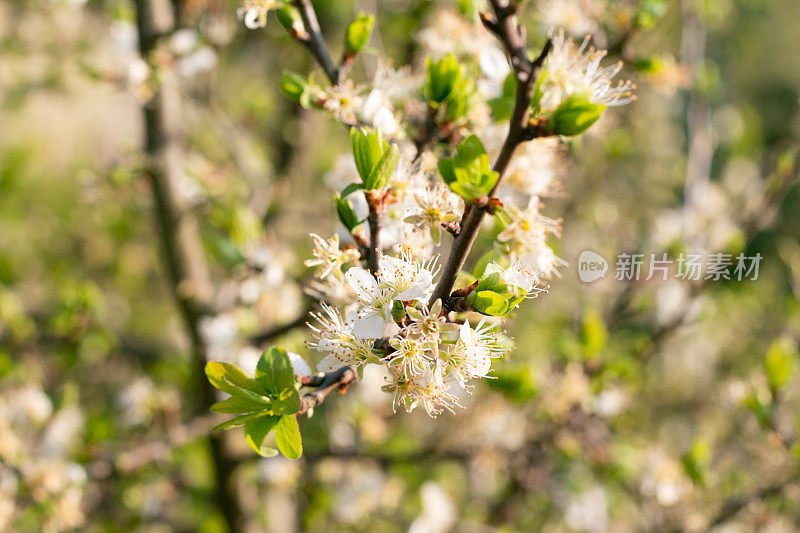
[
  {"x": 254, "y": 19},
  {"x": 369, "y": 327},
  {"x": 329, "y": 364},
  {"x": 415, "y": 292},
  {"x": 385, "y": 120},
  {"x": 480, "y": 365},
  {"x": 362, "y": 282},
  {"x": 299, "y": 365},
  {"x": 494, "y": 64}
]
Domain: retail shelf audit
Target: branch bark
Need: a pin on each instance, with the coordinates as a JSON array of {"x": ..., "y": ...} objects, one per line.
[
  {"x": 373, "y": 220},
  {"x": 325, "y": 384},
  {"x": 314, "y": 41},
  {"x": 178, "y": 231},
  {"x": 503, "y": 23}
]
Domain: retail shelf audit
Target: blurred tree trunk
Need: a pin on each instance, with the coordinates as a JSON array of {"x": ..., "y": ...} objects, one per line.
[{"x": 177, "y": 227}]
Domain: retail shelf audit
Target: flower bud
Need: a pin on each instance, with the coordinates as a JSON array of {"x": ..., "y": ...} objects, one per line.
[
  {"x": 442, "y": 78},
  {"x": 297, "y": 88},
  {"x": 358, "y": 33},
  {"x": 289, "y": 18},
  {"x": 375, "y": 158}
]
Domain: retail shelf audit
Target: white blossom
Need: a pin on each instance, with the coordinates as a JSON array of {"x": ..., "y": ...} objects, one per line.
[
  {"x": 335, "y": 337},
  {"x": 344, "y": 100},
  {"x": 254, "y": 12},
  {"x": 435, "y": 206},
  {"x": 571, "y": 69},
  {"x": 376, "y": 304},
  {"x": 526, "y": 237},
  {"x": 329, "y": 257},
  {"x": 408, "y": 277}
]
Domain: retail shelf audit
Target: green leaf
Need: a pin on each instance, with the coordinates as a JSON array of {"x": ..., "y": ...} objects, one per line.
[
  {"x": 469, "y": 173},
  {"x": 460, "y": 100},
  {"x": 240, "y": 404},
  {"x": 593, "y": 334},
  {"x": 287, "y": 437},
  {"x": 516, "y": 385},
  {"x": 358, "y": 33},
  {"x": 289, "y": 17},
  {"x": 257, "y": 429},
  {"x": 488, "y": 303},
  {"x": 649, "y": 13},
  {"x": 469, "y": 8},
  {"x": 762, "y": 412},
  {"x": 575, "y": 115},
  {"x": 695, "y": 460},
  {"x": 779, "y": 363},
  {"x": 350, "y": 189},
  {"x": 297, "y": 88},
  {"x": 382, "y": 171},
  {"x": 486, "y": 259},
  {"x": 228, "y": 378},
  {"x": 503, "y": 105},
  {"x": 274, "y": 372},
  {"x": 346, "y": 213},
  {"x": 289, "y": 404},
  {"x": 237, "y": 421},
  {"x": 492, "y": 280}
]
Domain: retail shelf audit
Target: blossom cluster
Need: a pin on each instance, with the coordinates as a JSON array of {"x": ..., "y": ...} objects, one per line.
[
  {"x": 404, "y": 189},
  {"x": 426, "y": 356}
]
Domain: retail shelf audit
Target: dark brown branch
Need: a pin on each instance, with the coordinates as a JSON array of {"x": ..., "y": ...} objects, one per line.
[
  {"x": 503, "y": 24},
  {"x": 314, "y": 41},
  {"x": 731, "y": 507},
  {"x": 178, "y": 229},
  {"x": 325, "y": 384},
  {"x": 427, "y": 134},
  {"x": 373, "y": 220}
]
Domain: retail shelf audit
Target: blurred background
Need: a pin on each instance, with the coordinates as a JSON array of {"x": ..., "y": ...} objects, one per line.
[{"x": 629, "y": 405}]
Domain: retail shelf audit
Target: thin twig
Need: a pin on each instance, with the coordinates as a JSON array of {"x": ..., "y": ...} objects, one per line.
[
  {"x": 337, "y": 380},
  {"x": 373, "y": 220},
  {"x": 314, "y": 41}
]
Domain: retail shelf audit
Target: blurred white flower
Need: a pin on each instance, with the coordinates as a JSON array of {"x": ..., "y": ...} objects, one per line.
[
  {"x": 576, "y": 17},
  {"x": 438, "y": 513},
  {"x": 344, "y": 101},
  {"x": 254, "y": 12},
  {"x": 184, "y": 41},
  {"x": 588, "y": 511}
]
